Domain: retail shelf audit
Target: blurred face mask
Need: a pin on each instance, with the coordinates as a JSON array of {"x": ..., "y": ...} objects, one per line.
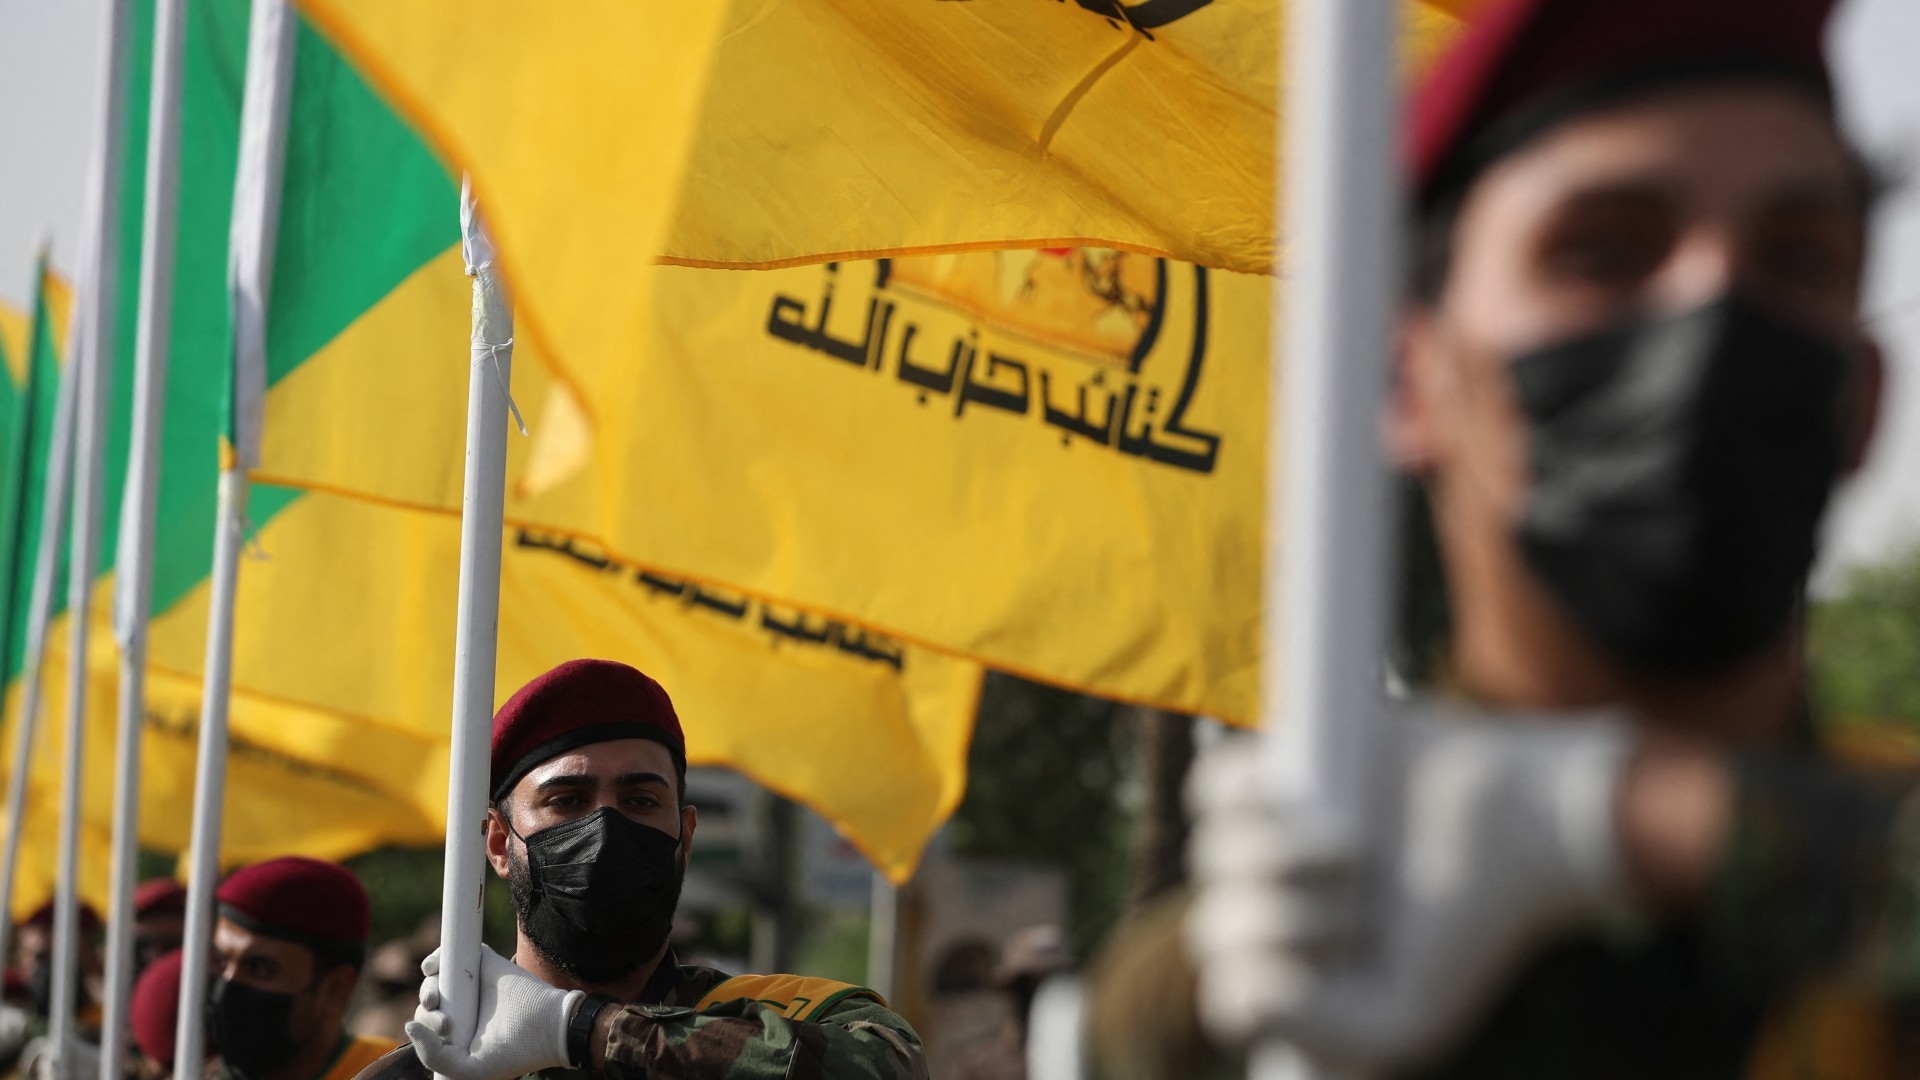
[
  {"x": 252, "y": 1027},
  {"x": 40, "y": 988},
  {"x": 1681, "y": 466},
  {"x": 596, "y": 894}
]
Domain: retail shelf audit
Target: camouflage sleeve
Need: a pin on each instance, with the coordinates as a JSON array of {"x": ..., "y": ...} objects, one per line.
[
  {"x": 858, "y": 1039},
  {"x": 1821, "y": 874}
]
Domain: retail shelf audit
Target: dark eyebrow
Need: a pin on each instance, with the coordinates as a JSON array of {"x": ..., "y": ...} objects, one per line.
[
  {"x": 570, "y": 780},
  {"x": 1635, "y": 189},
  {"x": 632, "y": 778},
  {"x": 1816, "y": 195}
]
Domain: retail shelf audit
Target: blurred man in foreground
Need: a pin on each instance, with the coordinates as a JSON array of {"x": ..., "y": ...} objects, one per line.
[
  {"x": 288, "y": 945},
  {"x": 591, "y": 829},
  {"x": 1631, "y": 373}
]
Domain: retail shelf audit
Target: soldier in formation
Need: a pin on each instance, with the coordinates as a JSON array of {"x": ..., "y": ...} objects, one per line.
[{"x": 591, "y": 828}]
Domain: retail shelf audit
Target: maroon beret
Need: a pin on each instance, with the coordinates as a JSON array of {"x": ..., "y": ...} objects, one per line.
[
  {"x": 43, "y": 916},
  {"x": 311, "y": 901},
  {"x": 577, "y": 703},
  {"x": 155, "y": 1008},
  {"x": 159, "y": 896},
  {"x": 1523, "y": 65}
]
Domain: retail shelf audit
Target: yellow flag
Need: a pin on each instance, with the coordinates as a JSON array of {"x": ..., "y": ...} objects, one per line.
[
  {"x": 350, "y": 612},
  {"x": 278, "y": 802},
  {"x": 35, "y": 874},
  {"x": 345, "y": 623},
  {"x": 1050, "y": 462},
  {"x": 14, "y": 327},
  {"x": 763, "y": 133}
]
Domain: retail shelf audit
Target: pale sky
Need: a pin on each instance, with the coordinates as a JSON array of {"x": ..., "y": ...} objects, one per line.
[{"x": 50, "y": 60}]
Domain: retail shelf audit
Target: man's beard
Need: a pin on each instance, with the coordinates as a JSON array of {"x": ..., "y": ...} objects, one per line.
[{"x": 598, "y": 969}]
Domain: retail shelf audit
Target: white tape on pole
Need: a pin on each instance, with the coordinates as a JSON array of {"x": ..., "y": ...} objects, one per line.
[{"x": 482, "y": 524}]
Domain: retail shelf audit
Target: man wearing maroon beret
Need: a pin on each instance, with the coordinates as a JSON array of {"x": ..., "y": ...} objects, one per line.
[
  {"x": 1630, "y": 373},
  {"x": 36, "y": 963},
  {"x": 590, "y": 827},
  {"x": 24, "y": 1046},
  {"x": 153, "y": 1012},
  {"x": 288, "y": 943}
]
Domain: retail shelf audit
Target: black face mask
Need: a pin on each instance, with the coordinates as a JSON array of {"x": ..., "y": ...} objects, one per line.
[
  {"x": 40, "y": 989},
  {"x": 596, "y": 895},
  {"x": 252, "y": 1027},
  {"x": 1681, "y": 466}
]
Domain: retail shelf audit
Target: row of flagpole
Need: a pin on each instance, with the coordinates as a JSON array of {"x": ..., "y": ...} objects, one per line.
[
  {"x": 73, "y": 497},
  {"x": 76, "y": 450},
  {"x": 1327, "y": 494},
  {"x": 76, "y": 443}
]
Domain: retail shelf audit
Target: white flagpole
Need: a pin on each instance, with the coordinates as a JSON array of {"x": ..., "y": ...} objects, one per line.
[
  {"x": 53, "y": 533},
  {"x": 133, "y": 557},
  {"x": 251, "y": 240},
  {"x": 883, "y": 930},
  {"x": 1327, "y": 580},
  {"x": 209, "y": 784},
  {"x": 482, "y": 523},
  {"x": 91, "y": 346}
]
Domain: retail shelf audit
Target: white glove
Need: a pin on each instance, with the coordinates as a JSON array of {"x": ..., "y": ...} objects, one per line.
[
  {"x": 522, "y": 1027},
  {"x": 1490, "y": 836},
  {"x": 36, "y": 1061},
  {"x": 13, "y": 1030}
]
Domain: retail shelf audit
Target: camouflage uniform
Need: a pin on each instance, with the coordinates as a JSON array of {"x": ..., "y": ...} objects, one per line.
[{"x": 663, "y": 1035}]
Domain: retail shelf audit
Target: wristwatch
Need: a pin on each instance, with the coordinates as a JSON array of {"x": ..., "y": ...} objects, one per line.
[{"x": 580, "y": 1028}]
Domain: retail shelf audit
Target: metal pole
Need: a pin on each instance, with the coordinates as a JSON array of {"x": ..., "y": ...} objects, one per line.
[
  {"x": 92, "y": 348},
  {"x": 254, "y": 229},
  {"x": 482, "y": 524},
  {"x": 94, "y": 371},
  {"x": 133, "y": 560},
  {"x": 256, "y": 212},
  {"x": 1326, "y": 575},
  {"x": 210, "y": 778},
  {"x": 53, "y": 524},
  {"x": 20, "y": 454},
  {"x": 882, "y": 935}
]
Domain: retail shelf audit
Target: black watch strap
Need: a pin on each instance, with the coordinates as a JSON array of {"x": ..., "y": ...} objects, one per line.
[{"x": 580, "y": 1027}]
